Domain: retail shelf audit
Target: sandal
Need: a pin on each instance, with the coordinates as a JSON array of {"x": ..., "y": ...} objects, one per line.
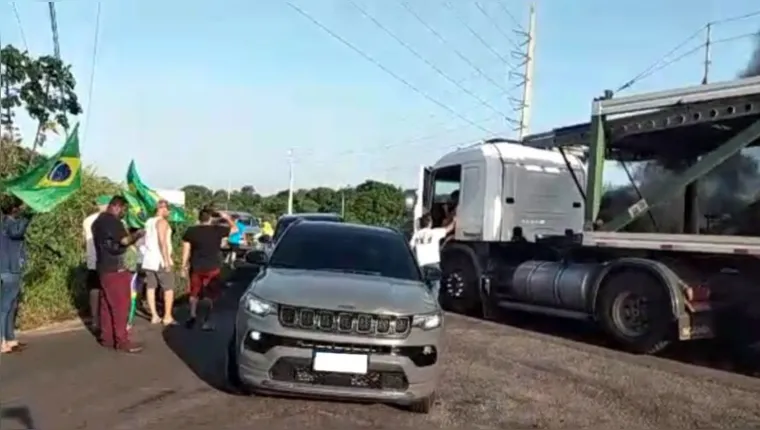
[
  {"x": 19, "y": 347},
  {"x": 170, "y": 323}
]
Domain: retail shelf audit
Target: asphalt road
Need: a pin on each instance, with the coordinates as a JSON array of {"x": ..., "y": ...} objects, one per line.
[{"x": 496, "y": 376}]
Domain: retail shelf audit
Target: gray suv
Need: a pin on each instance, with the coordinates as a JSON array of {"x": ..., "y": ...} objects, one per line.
[{"x": 340, "y": 311}]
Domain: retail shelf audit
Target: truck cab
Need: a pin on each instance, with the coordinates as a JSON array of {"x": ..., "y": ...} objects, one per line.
[{"x": 507, "y": 192}]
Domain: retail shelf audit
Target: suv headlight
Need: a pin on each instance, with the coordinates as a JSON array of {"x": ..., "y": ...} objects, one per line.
[
  {"x": 258, "y": 307},
  {"x": 428, "y": 321}
]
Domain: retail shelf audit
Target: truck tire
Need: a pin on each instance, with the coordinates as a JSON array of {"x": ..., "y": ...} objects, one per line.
[
  {"x": 460, "y": 290},
  {"x": 634, "y": 308}
]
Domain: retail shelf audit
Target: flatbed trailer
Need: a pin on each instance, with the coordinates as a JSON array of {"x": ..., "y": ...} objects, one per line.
[{"x": 528, "y": 237}]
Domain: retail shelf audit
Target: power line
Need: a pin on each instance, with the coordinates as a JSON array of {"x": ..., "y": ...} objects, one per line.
[
  {"x": 693, "y": 51},
  {"x": 658, "y": 64},
  {"x": 20, "y": 26},
  {"x": 474, "y": 33},
  {"x": 495, "y": 25},
  {"x": 95, "y": 43},
  {"x": 405, "y": 142},
  {"x": 648, "y": 70},
  {"x": 381, "y": 66},
  {"x": 510, "y": 15},
  {"x": 423, "y": 59},
  {"x": 443, "y": 40}
]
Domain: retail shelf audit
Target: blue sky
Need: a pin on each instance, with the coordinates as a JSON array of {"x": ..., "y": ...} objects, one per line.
[{"x": 217, "y": 92}]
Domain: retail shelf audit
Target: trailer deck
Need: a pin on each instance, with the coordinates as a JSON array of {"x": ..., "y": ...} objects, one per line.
[{"x": 694, "y": 128}]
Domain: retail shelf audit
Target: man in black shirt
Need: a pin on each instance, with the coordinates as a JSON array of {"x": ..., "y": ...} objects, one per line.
[
  {"x": 202, "y": 260},
  {"x": 111, "y": 240}
]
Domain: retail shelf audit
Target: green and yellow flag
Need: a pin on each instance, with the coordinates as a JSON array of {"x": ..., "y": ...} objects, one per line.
[
  {"x": 147, "y": 197},
  {"x": 52, "y": 181}
]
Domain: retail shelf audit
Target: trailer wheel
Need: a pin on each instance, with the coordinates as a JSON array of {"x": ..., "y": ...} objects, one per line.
[
  {"x": 459, "y": 284},
  {"x": 634, "y": 307}
]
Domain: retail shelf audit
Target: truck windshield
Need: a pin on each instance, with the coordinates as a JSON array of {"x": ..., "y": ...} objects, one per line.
[{"x": 349, "y": 250}]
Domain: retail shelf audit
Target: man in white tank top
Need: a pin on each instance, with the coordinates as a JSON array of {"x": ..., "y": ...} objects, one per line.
[
  {"x": 157, "y": 263},
  {"x": 93, "y": 282}
]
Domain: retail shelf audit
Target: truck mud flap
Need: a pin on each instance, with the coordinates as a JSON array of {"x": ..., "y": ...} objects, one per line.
[{"x": 696, "y": 325}]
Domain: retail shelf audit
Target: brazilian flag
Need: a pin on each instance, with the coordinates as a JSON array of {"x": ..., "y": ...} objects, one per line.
[
  {"x": 52, "y": 181},
  {"x": 136, "y": 215},
  {"x": 147, "y": 198}
]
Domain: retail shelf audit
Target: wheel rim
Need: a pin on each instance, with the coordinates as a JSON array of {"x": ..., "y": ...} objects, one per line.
[
  {"x": 631, "y": 313},
  {"x": 454, "y": 285}
]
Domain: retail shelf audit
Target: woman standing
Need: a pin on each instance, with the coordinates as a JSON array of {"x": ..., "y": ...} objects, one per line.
[{"x": 13, "y": 226}]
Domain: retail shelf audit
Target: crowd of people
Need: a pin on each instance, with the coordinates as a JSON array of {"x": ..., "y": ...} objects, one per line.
[{"x": 109, "y": 279}]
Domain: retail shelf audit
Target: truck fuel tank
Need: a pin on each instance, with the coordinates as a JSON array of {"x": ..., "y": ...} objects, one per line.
[{"x": 554, "y": 284}]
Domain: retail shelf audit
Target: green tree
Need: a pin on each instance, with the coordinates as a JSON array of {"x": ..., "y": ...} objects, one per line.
[{"x": 44, "y": 86}]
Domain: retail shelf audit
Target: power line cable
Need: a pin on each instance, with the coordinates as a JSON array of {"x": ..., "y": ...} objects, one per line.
[
  {"x": 95, "y": 43},
  {"x": 647, "y": 71},
  {"x": 443, "y": 40},
  {"x": 382, "y": 67},
  {"x": 657, "y": 64},
  {"x": 496, "y": 25},
  {"x": 510, "y": 15},
  {"x": 20, "y": 26},
  {"x": 423, "y": 59},
  {"x": 477, "y": 35},
  {"x": 402, "y": 143}
]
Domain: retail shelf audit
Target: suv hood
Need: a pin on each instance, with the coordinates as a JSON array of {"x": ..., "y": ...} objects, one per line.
[{"x": 344, "y": 291}]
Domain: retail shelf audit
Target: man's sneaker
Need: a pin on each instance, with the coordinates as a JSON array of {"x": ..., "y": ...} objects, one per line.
[
  {"x": 190, "y": 323},
  {"x": 130, "y": 348},
  {"x": 207, "y": 326}
]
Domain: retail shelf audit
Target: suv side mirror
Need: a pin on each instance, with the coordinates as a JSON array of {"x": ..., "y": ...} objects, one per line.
[
  {"x": 258, "y": 258},
  {"x": 265, "y": 239}
]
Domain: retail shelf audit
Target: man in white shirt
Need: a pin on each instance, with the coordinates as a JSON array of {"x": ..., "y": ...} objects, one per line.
[
  {"x": 93, "y": 281},
  {"x": 426, "y": 243},
  {"x": 157, "y": 263}
]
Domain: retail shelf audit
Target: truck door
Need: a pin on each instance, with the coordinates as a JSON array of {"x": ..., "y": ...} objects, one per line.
[
  {"x": 424, "y": 194},
  {"x": 471, "y": 199}
]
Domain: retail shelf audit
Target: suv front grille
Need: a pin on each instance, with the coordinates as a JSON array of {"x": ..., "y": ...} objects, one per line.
[{"x": 344, "y": 322}]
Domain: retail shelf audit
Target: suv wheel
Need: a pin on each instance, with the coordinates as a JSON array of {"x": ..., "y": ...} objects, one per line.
[{"x": 423, "y": 406}]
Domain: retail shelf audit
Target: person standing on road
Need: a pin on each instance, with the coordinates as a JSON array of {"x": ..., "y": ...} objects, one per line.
[
  {"x": 13, "y": 225},
  {"x": 202, "y": 261},
  {"x": 111, "y": 241},
  {"x": 235, "y": 240},
  {"x": 92, "y": 281},
  {"x": 426, "y": 243},
  {"x": 157, "y": 263}
]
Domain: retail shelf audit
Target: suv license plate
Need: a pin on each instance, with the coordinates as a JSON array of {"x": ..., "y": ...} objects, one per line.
[{"x": 341, "y": 363}]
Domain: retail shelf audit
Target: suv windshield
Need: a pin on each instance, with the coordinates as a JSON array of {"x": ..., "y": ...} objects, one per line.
[
  {"x": 349, "y": 250},
  {"x": 284, "y": 223}
]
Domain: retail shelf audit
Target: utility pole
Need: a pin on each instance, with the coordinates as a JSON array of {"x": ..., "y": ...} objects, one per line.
[
  {"x": 526, "y": 58},
  {"x": 54, "y": 29},
  {"x": 708, "y": 61},
  {"x": 290, "y": 183}
]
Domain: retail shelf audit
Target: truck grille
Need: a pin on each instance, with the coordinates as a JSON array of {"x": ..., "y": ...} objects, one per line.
[{"x": 344, "y": 322}]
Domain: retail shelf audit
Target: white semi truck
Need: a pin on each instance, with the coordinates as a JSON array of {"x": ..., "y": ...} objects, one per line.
[{"x": 528, "y": 237}]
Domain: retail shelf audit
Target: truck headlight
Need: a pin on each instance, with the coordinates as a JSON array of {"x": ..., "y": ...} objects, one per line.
[
  {"x": 258, "y": 307},
  {"x": 428, "y": 321}
]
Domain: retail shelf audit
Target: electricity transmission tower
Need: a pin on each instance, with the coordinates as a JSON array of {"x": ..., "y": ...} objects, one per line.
[{"x": 525, "y": 56}]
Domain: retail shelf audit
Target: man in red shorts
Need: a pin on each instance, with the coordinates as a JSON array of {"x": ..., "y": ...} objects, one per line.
[
  {"x": 111, "y": 242},
  {"x": 202, "y": 260}
]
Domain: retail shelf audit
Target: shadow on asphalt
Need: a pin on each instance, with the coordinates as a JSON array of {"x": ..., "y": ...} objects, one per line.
[
  {"x": 735, "y": 352},
  {"x": 16, "y": 415},
  {"x": 205, "y": 352}
]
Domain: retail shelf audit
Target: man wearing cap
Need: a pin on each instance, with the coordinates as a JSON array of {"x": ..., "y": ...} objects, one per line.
[{"x": 92, "y": 281}]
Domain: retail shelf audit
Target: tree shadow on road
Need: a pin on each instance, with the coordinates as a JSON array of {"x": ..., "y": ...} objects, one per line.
[{"x": 205, "y": 352}]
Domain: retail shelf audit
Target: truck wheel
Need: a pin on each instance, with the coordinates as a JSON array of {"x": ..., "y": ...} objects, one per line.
[
  {"x": 634, "y": 307},
  {"x": 459, "y": 284}
]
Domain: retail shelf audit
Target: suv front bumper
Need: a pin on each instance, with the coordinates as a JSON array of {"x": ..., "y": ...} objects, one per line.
[{"x": 275, "y": 359}]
